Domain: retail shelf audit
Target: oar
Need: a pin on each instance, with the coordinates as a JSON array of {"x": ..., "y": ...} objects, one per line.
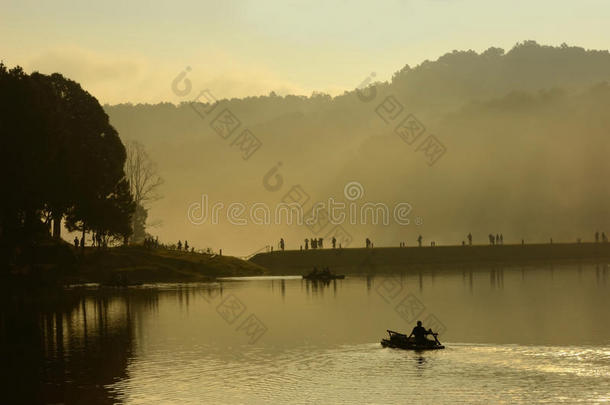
[
  {"x": 390, "y": 332},
  {"x": 435, "y": 335}
]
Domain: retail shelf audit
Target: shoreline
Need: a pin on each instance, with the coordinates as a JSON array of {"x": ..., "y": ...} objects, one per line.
[
  {"x": 136, "y": 265},
  {"x": 62, "y": 264},
  {"x": 379, "y": 259}
]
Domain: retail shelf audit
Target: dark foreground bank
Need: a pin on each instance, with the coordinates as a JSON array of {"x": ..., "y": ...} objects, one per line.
[
  {"x": 60, "y": 263},
  {"x": 366, "y": 260}
]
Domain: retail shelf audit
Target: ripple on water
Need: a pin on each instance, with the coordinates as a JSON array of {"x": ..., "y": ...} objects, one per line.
[{"x": 369, "y": 374}]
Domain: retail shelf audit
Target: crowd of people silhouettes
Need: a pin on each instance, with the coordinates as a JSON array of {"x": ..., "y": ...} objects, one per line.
[
  {"x": 315, "y": 243},
  {"x": 318, "y": 243}
]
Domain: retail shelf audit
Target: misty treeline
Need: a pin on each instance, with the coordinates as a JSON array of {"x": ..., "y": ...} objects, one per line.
[
  {"x": 60, "y": 160},
  {"x": 525, "y": 131}
]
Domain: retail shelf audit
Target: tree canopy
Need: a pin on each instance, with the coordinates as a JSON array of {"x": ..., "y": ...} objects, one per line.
[{"x": 60, "y": 158}]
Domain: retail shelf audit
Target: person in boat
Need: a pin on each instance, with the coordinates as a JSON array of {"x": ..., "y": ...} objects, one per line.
[{"x": 420, "y": 333}]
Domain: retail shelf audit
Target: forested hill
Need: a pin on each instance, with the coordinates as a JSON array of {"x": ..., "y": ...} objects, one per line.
[
  {"x": 454, "y": 79},
  {"x": 529, "y": 124}
]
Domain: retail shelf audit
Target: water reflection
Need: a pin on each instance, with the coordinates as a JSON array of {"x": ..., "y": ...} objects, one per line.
[
  {"x": 318, "y": 287},
  {"x": 102, "y": 346},
  {"x": 69, "y": 344}
]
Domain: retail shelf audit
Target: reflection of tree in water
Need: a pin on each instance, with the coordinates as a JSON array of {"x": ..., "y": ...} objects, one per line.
[{"x": 65, "y": 346}]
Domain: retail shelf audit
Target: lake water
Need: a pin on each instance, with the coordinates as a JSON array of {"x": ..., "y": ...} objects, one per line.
[{"x": 513, "y": 335}]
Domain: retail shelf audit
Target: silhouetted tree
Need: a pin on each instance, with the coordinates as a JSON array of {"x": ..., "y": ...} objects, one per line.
[
  {"x": 59, "y": 156},
  {"x": 144, "y": 182},
  {"x": 108, "y": 217}
]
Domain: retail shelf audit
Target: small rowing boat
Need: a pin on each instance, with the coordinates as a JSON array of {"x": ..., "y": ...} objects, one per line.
[
  {"x": 401, "y": 341},
  {"x": 323, "y": 275}
]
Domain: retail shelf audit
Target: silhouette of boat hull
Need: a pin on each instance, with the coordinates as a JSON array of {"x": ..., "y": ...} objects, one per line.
[{"x": 401, "y": 341}]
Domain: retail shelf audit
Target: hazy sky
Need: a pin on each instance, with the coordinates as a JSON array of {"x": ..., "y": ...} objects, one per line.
[{"x": 130, "y": 51}]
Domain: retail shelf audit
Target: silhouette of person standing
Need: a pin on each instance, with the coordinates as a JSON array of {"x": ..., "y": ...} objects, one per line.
[
  {"x": 282, "y": 244},
  {"x": 419, "y": 240},
  {"x": 368, "y": 243},
  {"x": 420, "y": 333},
  {"x": 186, "y": 246},
  {"x": 76, "y": 241},
  {"x": 334, "y": 242},
  {"x": 306, "y": 244},
  {"x": 179, "y": 245},
  {"x": 469, "y": 239}
]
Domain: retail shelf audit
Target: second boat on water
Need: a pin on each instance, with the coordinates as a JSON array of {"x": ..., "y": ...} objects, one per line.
[{"x": 324, "y": 274}]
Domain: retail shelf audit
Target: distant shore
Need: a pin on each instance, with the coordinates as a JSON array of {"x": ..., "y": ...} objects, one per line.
[
  {"x": 62, "y": 264},
  {"x": 371, "y": 260}
]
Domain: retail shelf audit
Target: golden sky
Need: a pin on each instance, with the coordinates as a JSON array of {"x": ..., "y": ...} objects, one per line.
[{"x": 131, "y": 51}]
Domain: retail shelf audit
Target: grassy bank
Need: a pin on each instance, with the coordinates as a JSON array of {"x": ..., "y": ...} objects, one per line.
[
  {"x": 60, "y": 263},
  {"x": 136, "y": 264}
]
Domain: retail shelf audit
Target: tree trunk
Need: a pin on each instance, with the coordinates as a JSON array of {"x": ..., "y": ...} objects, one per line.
[{"x": 57, "y": 226}]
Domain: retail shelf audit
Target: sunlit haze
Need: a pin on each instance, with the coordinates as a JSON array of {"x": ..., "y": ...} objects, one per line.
[{"x": 129, "y": 51}]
